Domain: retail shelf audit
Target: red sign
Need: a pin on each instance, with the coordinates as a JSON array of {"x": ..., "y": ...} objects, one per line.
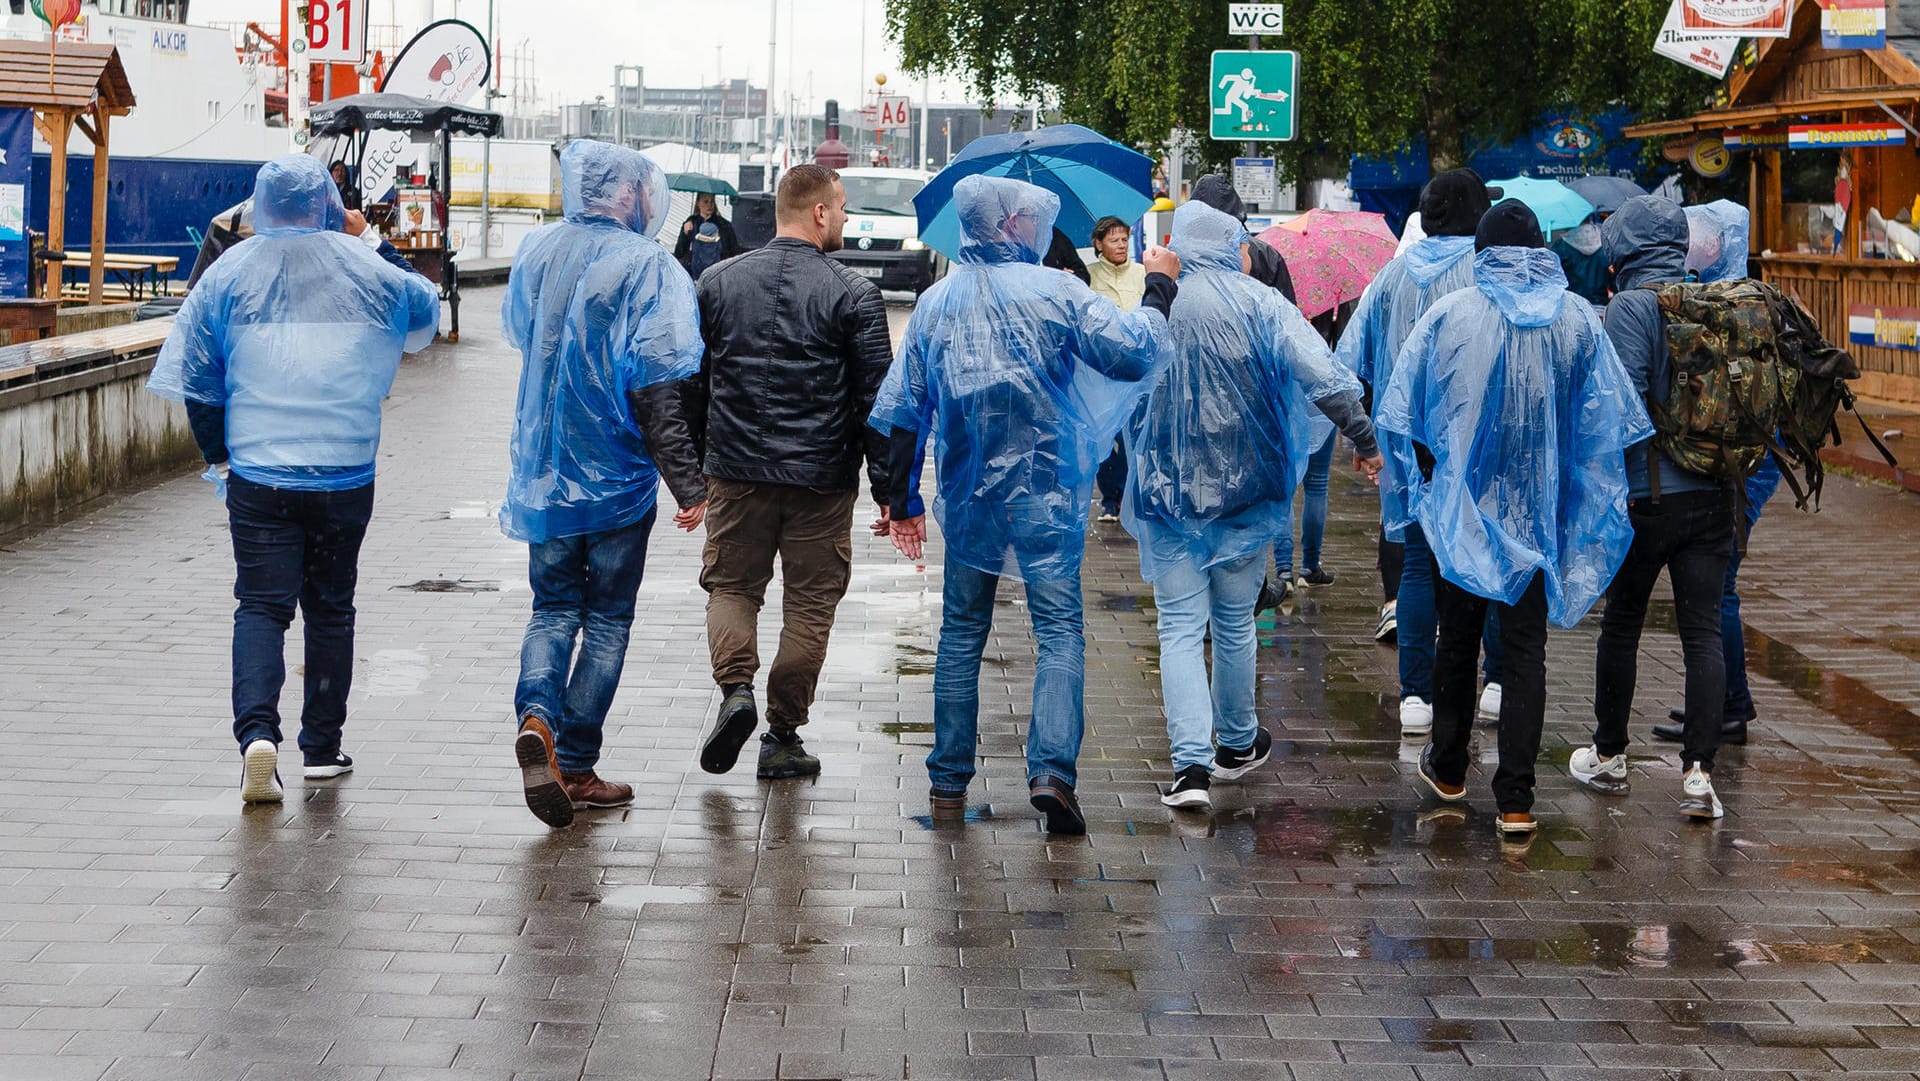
[{"x": 1738, "y": 18}]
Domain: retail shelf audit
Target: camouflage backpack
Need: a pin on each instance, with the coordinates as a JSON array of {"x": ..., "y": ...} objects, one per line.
[{"x": 1750, "y": 374}]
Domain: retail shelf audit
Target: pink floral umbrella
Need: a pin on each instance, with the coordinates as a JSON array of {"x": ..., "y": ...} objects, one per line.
[{"x": 1332, "y": 255}]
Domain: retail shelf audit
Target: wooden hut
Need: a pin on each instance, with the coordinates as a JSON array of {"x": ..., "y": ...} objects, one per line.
[
  {"x": 1832, "y": 156},
  {"x": 77, "y": 86}
]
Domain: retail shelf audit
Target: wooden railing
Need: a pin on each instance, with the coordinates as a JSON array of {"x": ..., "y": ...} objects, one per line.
[{"x": 1830, "y": 286}]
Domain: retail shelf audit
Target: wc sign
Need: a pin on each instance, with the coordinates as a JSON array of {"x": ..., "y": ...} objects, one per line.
[{"x": 1246, "y": 20}]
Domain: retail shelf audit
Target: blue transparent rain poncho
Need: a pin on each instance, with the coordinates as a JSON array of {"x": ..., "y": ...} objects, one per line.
[
  {"x": 1398, "y": 296},
  {"x": 297, "y": 332},
  {"x": 598, "y": 310},
  {"x": 1717, "y": 240},
  {"x": 1517, "y": 390},
  {"x": 1023, "y": 375},
  {"x": 1221, "y": 441}
]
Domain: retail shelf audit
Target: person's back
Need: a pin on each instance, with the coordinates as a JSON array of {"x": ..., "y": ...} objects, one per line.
[
  {"x": 597, "y": 311},
  {"x": 282, "y": 353},
  {"x": 1223, "y": 438},
  {"x": 1026, "y": 368}
]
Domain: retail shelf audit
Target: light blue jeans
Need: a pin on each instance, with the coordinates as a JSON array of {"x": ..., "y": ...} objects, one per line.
[
  {"x": 1059, "y": 680},
  {"x": 1190, "y": 601}
]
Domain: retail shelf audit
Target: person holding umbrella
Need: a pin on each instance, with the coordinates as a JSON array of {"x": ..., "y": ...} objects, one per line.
[
  {"x": 1022, "y": 375},
  {"x": 706, "y": 211}
]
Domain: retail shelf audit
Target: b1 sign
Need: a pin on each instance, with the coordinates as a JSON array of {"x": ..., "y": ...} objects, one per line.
[
  {"x": 337, "y": 31},
  {"x": 1245, "y": 20}
]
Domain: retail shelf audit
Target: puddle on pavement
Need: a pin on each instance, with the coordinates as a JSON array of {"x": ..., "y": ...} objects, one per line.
[
  {"x": 1847, "y": 699},
  {"x": 470, "y": 508},
  {"x": 947, "y": 822},
  {"x": 397, "y": 672},
  {"x": 1124, "y": 602},
  {"x": 452, "y": 585},
  {"x": 897, "y": 729},
  {"x": 638, "y": 897},
  {"x": 1612, "y": 947}
]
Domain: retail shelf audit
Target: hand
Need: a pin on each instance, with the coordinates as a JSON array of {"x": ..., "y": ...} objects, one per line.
[
  {"x": 1159, "y": 260},
  {"x": 690, "y": 518},
  {"x": 910, "y": 536},
  {"x": 356, "y": 223},
  {"x": 687, "y": 229},
  {"x": 883, "y": 525},
  {"x": 1370, "y": 466}
]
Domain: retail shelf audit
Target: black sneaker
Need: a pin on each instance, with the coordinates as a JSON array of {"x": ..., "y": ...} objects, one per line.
[
  {"x": 1730, "y": 731},
  {"x": 1272, "y": 594},
  {"x": 1318, "y": 576},
  {"x": 1231, "y": 765},
  {"x": 783, "y": 755},
  {"x": 736, "y": 721},
  {"x": 1055, "y": 799},
  {"x": 1189, "y": 790},
  {"x": 327, "y": 766}
]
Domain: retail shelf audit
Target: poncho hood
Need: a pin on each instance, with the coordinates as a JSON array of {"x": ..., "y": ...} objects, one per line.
[
  {"x": 1004, "y": 221},
  {"x": 1526, "y": 284},
  {"x": 601, "y": 180},
  {"x": 1206, "y": 239},
  {"x": 1717, "y": 240},
  {"x": 1429, "y": 257},
  {"x": 296, "y": 194}
]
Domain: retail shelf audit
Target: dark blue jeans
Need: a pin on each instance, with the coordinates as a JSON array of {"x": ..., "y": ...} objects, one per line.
[
  {"x": 583, "y": 587},
  {"x": 1112, "y": 478},
  {"x": 1313, "y": 513},
  {"x": 1419, "y": 622},
  {"x": 294, "y": 549},
  {"x": 1059, "y": 679}
]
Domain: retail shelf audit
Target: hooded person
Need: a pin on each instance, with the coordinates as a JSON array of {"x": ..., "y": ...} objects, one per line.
[
  {"x": 283, "y": 352},
  {"x": 605, "y": 323},
  {"x": 1022, "y": 375},
  {"x": 1716, "y": 252},
  {"x": 1682, "y": 523},
  {"x": 1263, "y": 262},
  {"x": 1432, "y": 267},
  {"x": 1216, "y": 449},
  {"x": 1717, "y": 240},
  {"x": 1508, "y": 412}
]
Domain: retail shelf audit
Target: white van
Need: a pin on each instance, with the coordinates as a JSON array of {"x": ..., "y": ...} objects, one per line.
[{"x": 882, "y": 237}]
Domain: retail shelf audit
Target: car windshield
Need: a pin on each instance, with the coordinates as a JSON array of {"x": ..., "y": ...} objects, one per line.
[{"x": 881, "y": 194}]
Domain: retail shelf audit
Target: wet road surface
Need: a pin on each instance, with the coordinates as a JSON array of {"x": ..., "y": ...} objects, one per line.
[{"x": 412, "y": 920}]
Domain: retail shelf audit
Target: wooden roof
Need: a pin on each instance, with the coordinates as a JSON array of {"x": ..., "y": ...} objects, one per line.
[
  {"x": 1795, "y": 76},
  {"x": 81, "y": 73}
]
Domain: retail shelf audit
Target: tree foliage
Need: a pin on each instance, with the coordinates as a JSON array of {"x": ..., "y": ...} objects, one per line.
[{"x": 1375, "y": 77}]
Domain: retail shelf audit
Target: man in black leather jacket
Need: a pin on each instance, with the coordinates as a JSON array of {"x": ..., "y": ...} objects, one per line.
[{"x": 797, "y": 346}]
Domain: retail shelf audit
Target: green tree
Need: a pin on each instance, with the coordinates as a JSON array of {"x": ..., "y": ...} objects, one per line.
[{"x": 1375, "y": 77}]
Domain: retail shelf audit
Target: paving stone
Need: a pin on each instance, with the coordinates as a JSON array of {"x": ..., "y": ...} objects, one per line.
[{"x": 411, "y": 922}]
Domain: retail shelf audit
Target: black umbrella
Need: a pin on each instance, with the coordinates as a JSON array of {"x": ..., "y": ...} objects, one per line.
[
  {"x": 400, "y": 112},
  {"x": 1606, "y": 193}
]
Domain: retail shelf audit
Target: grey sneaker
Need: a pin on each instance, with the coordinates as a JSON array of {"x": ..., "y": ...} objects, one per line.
[
  {"x": 783, "y": 756},
  {"x": 1605, "y": 774},
  {"x": 735, "y": 722},
  {"x": 1697, "y": 799}
]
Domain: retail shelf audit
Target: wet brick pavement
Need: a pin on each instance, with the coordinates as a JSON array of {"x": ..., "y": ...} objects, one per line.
[{"x": 412, "y": 921}]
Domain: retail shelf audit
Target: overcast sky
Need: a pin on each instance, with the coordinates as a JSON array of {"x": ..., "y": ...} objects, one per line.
[{"x": 576, "y": 43}]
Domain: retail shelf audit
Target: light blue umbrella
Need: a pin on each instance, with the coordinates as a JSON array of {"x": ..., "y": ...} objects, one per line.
[
  {"x": 1093, "y": 176},
  {"x": 1556, "y": 205}
]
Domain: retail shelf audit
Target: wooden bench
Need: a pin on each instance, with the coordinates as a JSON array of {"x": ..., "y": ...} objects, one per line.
[{"x": 132, "y": 273}]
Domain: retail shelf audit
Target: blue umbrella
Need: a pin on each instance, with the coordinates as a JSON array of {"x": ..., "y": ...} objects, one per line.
[
  {"x": 1556, "y": 205},
  {"x": 1093, "y": 176},
  {"x": 1606, "y": 193}
]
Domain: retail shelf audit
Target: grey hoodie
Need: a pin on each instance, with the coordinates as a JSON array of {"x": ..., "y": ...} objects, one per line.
[{"x": 1646, "y": 241}]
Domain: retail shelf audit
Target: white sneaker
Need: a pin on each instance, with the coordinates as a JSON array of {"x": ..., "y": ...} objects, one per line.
[
  {"x": 1490, "y": 702},
  {"x": 1416, "y": 716},
  {"x": 260, "y": 773},
  {"x": 1389, "y": 622},
  {"x": 1697, "y": 799},
  {"x": 1589, "y": 768}
]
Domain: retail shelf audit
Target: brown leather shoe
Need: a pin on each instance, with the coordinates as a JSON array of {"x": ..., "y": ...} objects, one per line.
[
  {"x": 539, "y": 776},
  {"x": 588, "y": 791}
]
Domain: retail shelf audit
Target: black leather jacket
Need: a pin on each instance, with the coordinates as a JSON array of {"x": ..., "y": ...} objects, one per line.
[{"x": 797, "y": 347}]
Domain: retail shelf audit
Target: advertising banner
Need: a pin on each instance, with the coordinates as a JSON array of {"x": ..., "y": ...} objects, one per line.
[
  {"x": 1853, "y": 24},
  {"x": 448, "y": 61},
  {"x": 1835, "y": 136},
  {"x": 1887, "y": 328},
  {"x": 1712, "y": 55},
  {"x": 1737, "y": 18},
  {"x": 16, "y": 173}
]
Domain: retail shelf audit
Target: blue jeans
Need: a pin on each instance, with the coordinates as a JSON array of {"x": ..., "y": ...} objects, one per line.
[
  {"x": 294, "y": 548},
  {"x": 1191, "y": 600},
  {"x": 1419, "y": 622},
  {"x": 583, "y": 587},
  {"x": 1313, "y": 514},
  {"x": 1733, "y": 641},
  {"x": 1060, "y": 675}
]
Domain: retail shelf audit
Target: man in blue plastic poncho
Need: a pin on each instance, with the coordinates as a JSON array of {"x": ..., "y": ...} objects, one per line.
[
  {"x": 606, "y": 322},
  {"x": 1216, "y": 448},
  {"x": 1022, "y": 375},
  {"x": 1682, "y": 524},
  {"x": 1717, "y": 252},
  {"x": 1508, "y": 411},
  {"x": 1431, "y": 267},
  {"x": 283, "y": 352}
]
